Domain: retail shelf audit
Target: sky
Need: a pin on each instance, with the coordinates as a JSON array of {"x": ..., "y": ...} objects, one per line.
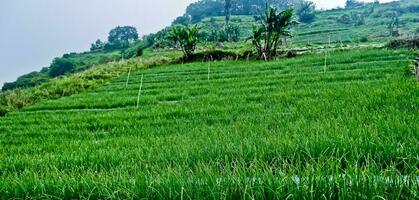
[{"x": 33, "y": 32}]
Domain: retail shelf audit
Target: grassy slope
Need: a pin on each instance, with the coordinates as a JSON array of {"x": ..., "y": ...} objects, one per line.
[
  {"x": 375, "y": 27},
  {"x": 255, "y": 130}
]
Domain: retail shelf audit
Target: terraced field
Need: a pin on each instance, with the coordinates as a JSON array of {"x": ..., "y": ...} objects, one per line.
[{"x": 253, "y": 130}]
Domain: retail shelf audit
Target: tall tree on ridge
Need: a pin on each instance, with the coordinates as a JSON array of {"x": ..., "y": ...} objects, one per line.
[{"x": 227, "y": 11}]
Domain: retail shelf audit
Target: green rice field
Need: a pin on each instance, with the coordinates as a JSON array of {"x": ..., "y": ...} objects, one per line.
[{"x": 285, "y": 129}]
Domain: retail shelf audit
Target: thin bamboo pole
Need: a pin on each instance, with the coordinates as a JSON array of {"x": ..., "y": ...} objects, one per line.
[{"x": 139, "y": 91}]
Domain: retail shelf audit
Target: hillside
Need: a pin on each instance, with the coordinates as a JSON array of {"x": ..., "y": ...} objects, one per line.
[
  {"x": 366, "y": 25},
  {"x": 254, "y": 130},
  {"x": 81, "y": 61},
  {"x": 351, "y": 26}
]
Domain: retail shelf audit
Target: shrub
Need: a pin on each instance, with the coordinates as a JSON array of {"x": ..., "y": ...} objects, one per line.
[
  {"x": 364, "y": 39},
  {"x": 214, "y": 55},
  {"x": 134, "y": 51},
  {"x": 410, "y": 43},
  {"x": 98, "y": 45},
  {"x": 344, "y": 19},
  {"x": 409, "y": 70},
  {"x": 3, "y": 110},
  {"x": 306, "y": 11},
  {"x": 61, "y": 66}
]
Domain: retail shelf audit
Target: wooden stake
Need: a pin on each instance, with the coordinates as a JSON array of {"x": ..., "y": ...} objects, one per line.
[
  {"x": 325, "y": 62},
  {"x": 139, "y": 91},
  {"x": 129, "y": 74},
  {"x": 416, "y": 65},
  {"x": 325, "y": 56},
  {"x": 209, "y": 68}
]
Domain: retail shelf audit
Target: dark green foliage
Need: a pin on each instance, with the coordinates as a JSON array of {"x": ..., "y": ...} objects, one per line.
[
  {"x": 3, "y": 105},
  {"x": 159, "y": 40},
  {"x": 409, "y": 70},
  {"x": 186, "y": 37},
  {"x": 204, "y": 8},
  {"x": 81, "y": 61},
  {"x": 354, "y": 4},
  {"x": 409, "y": 43},
  {"x": 364, "y": 39},
  {"x": 210, "y": 8},
  {"x": 98, "y": 45},
  {"x": 121, "y": 37},
  {"x": 3, "y": 111},
  {"x": 135, "y": 50},
  {"x": 233, "y": 33},
  {"x": 305, "y": 11},
  {"x": 28, "y": 80},
  {"x": 227, "y": 11},
  {"x": 393, "y": 27},
  {"x": 274, "y": 27},
  {"x": 344, "y": 19},
  {"x": 61, "y": 66},
  {"x": 215, "y": 55},
  {"x": 228, "y": 34},
  {"x": 354, "y": 18},
  {"x": 182, "y": 20}
]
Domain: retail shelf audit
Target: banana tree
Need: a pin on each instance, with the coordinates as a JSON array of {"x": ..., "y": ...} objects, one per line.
[
  {"x": 186, "y": 37},
  {"x": 274, "y": 27}
]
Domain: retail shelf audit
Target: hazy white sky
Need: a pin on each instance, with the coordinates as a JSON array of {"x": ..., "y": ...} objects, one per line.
[{"x": 33, "y": 32}]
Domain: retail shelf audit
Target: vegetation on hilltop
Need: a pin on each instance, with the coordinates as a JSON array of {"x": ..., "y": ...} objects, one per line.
[
  {"x": 119, "y": 40},
  {"x": 210, "y": 8}
]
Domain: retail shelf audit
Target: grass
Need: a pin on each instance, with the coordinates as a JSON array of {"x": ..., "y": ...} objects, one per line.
[{"x": 256, "y": 130}]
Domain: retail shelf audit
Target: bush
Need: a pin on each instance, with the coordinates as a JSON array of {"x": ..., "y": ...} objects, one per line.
[
  {"x": 344, "y": 19},
  {"x": 306, "y": 11},
  {"x": 364, "y": 39},
  {"x": 61, "y": 66},
  {"x": 291, "y": 54},
  {"x": 3, "y": 111},
  {"x": 410, "y": 43},
  {"x": 27, "y": 80},
  {"x": 409, "y": 70},
  {"x": 354, "y": 18},
  {"x": 182, "y": 20},
  {"x": 135, "y": 51}
]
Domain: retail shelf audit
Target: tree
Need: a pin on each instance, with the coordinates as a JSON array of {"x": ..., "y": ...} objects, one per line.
[
  {"x": 186, "y": 37},
  {"x": 227, "y": 11},
  {"x": 233, "y": 33},
  {"x": 393, "y": 27},
  {"x": 209, "y": 8},
  {"x": 121, "y": 36},
  {"x": 182, "y": 20},
  {"x": 353, "y": 4},
  {"x": 274, "y": 27},
  {"x": 305, "y": 11},
  {"x": 98, "y": 45},
  {"x": 61, "y": 66}
]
